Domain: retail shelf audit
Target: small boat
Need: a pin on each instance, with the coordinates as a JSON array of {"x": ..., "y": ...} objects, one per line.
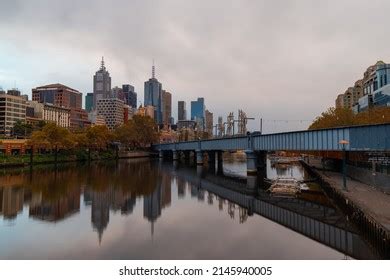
[{"x": 287, "y": 187}]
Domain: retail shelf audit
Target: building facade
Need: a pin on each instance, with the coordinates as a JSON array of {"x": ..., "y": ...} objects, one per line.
[
  {"x": 63, "y": 96},
  {"x": 96, "y": 119},
  {"x": 146, "y": 111},
  {"x": 112, "y": 111},
  {"x": 12, "y": 109},
  {"x": 181, "y": 111},
  {"x": 49, "y": 113},
  {"x": 89, "y": 102},
  {"x": 198, "y": 112},
  {"x": 101, "y": 84},
  {"x": 209, "y": 123},
  {"x": 167, "y": 107},
  {"x": 130, "y": 95}
]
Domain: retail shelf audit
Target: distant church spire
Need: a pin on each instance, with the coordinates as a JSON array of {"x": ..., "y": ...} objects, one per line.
[{"x": 153, "y": 70}]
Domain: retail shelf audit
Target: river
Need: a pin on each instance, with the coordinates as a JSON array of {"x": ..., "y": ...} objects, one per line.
[{"x": 145, "y": 209}]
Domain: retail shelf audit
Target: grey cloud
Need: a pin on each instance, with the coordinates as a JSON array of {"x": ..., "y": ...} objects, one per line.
[{"x": 276, "y": 59}]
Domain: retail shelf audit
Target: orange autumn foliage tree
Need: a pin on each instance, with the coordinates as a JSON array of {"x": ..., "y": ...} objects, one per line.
[{"x": 336, "y": 117}]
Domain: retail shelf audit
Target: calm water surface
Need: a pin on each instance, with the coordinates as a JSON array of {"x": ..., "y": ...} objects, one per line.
[{"x": 143, "y": 209}]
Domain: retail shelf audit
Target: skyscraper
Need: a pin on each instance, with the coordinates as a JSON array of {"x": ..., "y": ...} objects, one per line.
[
  {"x": 209, "y": 123},
  {"x": 130, "y": 95},
  {"x": 182, "y": 111},
  {"x": 153, "y": 96},
  {"x": 89, "y": 102},
  {"x": 101, "y": 84},
  {"x": 198, "y": 112},
  {"x": 166, "y": 107}
]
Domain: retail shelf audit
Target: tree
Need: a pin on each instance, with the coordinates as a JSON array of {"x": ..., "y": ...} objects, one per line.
[
  {"x": 22, "y": 129},
  {"x": 336, "y": 117},
  {"x": 98, "y": 136},
  {"x": 138, "y": 132}
]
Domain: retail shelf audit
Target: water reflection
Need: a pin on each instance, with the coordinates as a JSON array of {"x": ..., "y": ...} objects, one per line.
[{"x": 146, "y": 209}]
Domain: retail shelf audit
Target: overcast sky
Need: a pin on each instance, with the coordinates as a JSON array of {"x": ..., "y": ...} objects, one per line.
[{"x": 281, "y": 60}]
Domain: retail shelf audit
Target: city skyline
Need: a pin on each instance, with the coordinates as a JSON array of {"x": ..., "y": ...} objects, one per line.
[{"x": 216, "y": 55}]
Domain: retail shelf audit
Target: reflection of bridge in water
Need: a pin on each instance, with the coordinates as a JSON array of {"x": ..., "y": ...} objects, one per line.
[{"x": 317, "y": 221}]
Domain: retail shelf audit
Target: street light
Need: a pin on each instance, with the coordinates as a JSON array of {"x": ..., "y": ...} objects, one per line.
[{"x": 344, "y": 142}]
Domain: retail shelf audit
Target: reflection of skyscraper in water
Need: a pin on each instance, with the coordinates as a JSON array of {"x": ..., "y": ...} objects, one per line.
[
  {"x": 181, "y": 188},
  {"x": 100, "y": 213},
  {"x": 152, "y": 206},
  {"x": 11, "y": 202},
  {"x": 53, "y": 210},
  {"x": 194, "y": 191},
  {"x": 166, "y": 195},
  {"x": 201, "y": 195},
  {"x": 128, "y": 206}
]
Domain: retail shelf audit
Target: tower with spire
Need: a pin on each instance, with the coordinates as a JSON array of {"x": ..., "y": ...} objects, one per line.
[
  {"x": 101, "y": 84},
  {"x": 153, "y": 95}
]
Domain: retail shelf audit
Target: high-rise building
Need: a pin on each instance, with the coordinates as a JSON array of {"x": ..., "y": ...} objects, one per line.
[
  {"x": 130, "y": 95},
  {"x": 198, "y": 111},
  {"x": 209, "y": 123},
  {"x": 89, "y": 102},
  {"x": 117, "y": 92},
  {"x": 182, "y": 111},
  {"x": 66, "y": 97},
  {"x": 12, "y": 109},
  {"x": 153, "y": 96},
  {"x": 167, "y": 107},
  {"x": 112, "y": 110},
  {"x": 101, "y": 84}
]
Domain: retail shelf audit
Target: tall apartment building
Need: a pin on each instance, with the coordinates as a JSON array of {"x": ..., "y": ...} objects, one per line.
[
  {"x": 209, "y": 123},
  {"x": 112, "y": 111},
  {"x": 63, "y": 96},
  {"x": 372, "y": 90},
  {"x": 49, "y": 113},
  {"x": 101, "y": 84},
  {"x": 181, "y": 111},
  {"x": 166, "y": 107},
  {"x": 12, "y": 109}
]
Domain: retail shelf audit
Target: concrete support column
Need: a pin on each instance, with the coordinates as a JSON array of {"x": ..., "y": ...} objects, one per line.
[
  {"x": 251, "y": 163},
  {"x": 211, "y": 159},
  {"x": 186, "y": 156},
  {"x": 261, "y": 165},
  {"x": 199, "y": 157},
  {"x": 175, "y": 155},
  {"x": 161, "y": 154},
  {"x": 220, "y": 162}
]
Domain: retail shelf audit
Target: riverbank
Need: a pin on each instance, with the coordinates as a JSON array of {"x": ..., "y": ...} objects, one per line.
[
  {"x": 367, "y": 207},
  {"x": 25, "y": 160}
]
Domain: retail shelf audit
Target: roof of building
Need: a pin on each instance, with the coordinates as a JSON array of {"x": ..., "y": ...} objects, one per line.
[{"x": 56, "y": 85}]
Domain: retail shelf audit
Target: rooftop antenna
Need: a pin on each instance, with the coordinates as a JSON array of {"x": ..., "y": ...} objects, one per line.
[
  {"x": 102, "y": 63},
  {"x": 153, "y": 70}
]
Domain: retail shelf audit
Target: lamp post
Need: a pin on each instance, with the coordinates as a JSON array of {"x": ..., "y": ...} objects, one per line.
[{"x": 343, "y": 143}]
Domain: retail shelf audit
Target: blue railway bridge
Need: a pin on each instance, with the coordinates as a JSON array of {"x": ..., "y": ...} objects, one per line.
[{"x": 367, "y": 138}]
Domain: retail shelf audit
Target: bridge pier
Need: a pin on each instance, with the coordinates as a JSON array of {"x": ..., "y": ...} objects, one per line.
[
  {"x": 187, "y": 155},
  {"x": 175, "y": 155},
  {"x": 199, "y": 157},
  {"x": 211, "y": 159},
  {"x": 220, "y": 162},
  {"x": 251, "y": 162},
  {"x": 161, "y": 154}
]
